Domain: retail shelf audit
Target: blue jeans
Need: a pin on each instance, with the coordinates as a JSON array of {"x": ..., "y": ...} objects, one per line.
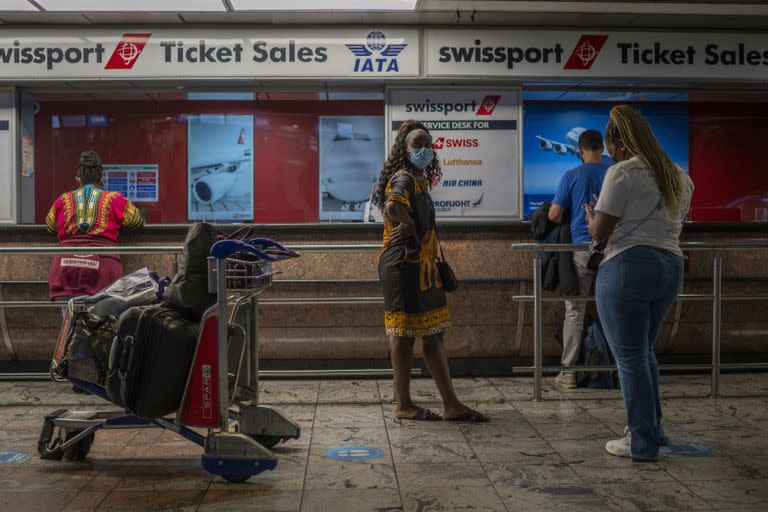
[{"x": 634, "y": 290}]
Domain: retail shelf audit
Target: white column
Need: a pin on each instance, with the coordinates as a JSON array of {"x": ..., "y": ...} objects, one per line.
[{"x": 8, "y": 181}]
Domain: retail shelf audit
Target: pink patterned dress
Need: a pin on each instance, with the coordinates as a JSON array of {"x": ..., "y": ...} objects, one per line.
[{"x": 88, "y": 217}]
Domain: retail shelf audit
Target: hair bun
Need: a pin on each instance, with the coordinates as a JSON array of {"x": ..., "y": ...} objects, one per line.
[{"x": 90, "y": 159}]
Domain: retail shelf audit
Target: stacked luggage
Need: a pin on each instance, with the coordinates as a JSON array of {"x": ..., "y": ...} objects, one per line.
[{"x": 136, "y": 339}]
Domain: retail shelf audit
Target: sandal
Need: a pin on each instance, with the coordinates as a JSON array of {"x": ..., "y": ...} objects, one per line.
[
  {"x": 471, "y": 417},
  {"x": 424, "y": 415}
]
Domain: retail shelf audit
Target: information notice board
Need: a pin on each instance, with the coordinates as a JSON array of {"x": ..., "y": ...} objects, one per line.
[
  {"x": 138, "y": 183},
  {"x": 475, "y": 134}
]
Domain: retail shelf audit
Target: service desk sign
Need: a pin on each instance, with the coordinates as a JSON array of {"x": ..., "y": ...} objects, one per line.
[
  {"x": 596, "y": 54},
  {"x": 350, "y": 52},
  {"x": 475, "y": 134}
]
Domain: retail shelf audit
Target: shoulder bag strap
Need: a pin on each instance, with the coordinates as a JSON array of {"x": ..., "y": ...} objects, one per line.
[{"x": 638, "y": 224}]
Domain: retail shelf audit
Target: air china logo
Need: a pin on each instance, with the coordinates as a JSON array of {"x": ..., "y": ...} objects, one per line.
[
  {"x": 585, "y": 52},
  {"x": 127, "y": 51},
  {"x": 487, "y": 106},
  {"x": 442, "y": 142},
  {"x": 368, "y": 61}
]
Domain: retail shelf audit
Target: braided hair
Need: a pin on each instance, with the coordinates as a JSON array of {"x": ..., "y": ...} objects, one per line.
[
  {"x": 628, "y": 127},
  {"x": 89, "y": 168},
  {"x": 398, "y": 160}
]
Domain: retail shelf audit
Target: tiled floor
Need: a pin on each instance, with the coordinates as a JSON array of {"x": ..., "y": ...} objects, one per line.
[{"x": 531, "y": 457}]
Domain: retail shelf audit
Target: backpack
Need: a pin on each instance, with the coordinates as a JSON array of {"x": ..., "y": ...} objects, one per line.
[
  {"x": 596, "y": 352},
  {"x": 188, "y": 292}
]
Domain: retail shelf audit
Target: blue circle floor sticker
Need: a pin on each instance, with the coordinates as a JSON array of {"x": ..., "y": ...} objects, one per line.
[
  {"x": 12, "y": 456},
  {"x": 354, "y": 453}
]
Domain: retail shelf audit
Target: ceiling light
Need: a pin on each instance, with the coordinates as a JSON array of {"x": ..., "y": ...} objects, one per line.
[
  {"x": 16, "y": 5},
  {"x": 324, "y": 5},
  {"x": 132, "y": 5}
]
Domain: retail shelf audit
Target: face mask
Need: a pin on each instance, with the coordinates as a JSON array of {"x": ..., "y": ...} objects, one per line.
[{"x": 421, "y": 157}]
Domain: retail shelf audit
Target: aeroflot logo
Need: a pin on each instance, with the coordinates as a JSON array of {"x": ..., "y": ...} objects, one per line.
[
  {"x": 486, "y": 108},
  {"x": 127, "y": 51},
  {"x": 376, "y": 55}
]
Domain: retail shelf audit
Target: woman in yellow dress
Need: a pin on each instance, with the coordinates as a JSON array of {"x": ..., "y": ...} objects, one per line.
[{"x": 414, "y": 299}]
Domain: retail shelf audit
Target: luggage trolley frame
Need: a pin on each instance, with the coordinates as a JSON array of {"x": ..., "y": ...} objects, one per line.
[{"x": 219, "y": 396}]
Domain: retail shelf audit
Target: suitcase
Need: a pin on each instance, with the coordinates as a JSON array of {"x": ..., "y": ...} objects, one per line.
[{"x": 150, "y": 360}]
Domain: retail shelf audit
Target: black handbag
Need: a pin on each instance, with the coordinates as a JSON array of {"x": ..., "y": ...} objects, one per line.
[
  {"x": 447, "y": 277},
  {"x": 595, "y": 255}
]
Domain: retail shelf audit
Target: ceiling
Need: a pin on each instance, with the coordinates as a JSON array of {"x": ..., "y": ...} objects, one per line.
[{"x": 712, "y": 15}]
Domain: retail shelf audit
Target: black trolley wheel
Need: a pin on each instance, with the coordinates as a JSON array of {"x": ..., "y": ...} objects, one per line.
[
  {"x": 267, "y": 441},
  {"x": 236, "y": 479},
  {"x": 80, "y": 449},
  {"x": 48, "y": 446}
]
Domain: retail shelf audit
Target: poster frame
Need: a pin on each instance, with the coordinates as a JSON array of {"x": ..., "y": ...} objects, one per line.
[{"x": 518, "y": 89}]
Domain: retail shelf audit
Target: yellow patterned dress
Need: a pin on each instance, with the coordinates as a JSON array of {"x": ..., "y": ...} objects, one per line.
[{"x": 414, "y": 299}]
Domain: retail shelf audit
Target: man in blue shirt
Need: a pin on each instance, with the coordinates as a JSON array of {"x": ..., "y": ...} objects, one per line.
[{"x": 579, "y": 186}]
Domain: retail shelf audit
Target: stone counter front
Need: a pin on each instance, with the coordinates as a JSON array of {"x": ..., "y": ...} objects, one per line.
[{"x": 487, "y": 322}]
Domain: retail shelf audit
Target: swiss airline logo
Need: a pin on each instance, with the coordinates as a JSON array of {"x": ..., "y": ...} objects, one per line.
[
  {"x": 487, "y": 106},
  {"x": 586, "y": 51},
  {"x": 127, "y": 51},
  {"x": 443, "y": 142}
]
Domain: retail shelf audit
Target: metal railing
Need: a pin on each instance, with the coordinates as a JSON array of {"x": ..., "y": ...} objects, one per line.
[
  {"x": 716, "y": 297},
  {"x": 537, "y": 298},
  {"x": 175, "y": 250}
]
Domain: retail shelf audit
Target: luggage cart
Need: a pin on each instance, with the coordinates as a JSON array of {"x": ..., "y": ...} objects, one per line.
[{"x": 222, "y": 391}]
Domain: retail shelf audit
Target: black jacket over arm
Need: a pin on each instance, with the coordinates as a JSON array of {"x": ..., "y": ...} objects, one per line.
[{"x": 557, "y": 268}]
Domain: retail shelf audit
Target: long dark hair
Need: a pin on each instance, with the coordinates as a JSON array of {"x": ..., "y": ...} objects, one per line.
[
  {"x": 89, "y": 169},
  {"x": 398, "y": 160}
]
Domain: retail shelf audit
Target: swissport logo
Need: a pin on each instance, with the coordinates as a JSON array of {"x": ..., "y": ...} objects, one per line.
[
  {"x": 585, "y": 52},
  {"x": 127, "y": 51},
  {"x": 487, "y": 106}
]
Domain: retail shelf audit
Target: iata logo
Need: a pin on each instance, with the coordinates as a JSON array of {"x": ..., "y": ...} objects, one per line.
[
  {"x": 376, "y": 43},
  {"x": 442, "y": 142},
  {"x": 487, "y": 106},
  {"x": 586, "y": 51},
  {"x": 127, "y": 51}
]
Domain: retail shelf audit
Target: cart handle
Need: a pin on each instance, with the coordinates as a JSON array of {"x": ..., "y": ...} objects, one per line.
[{"x": 225, "y": 248}]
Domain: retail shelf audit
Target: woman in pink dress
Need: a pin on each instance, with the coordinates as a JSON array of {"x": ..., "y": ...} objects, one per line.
[{"x": 88, "y": 217}]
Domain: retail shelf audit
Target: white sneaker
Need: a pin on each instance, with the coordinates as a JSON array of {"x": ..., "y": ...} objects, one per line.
[
  {"x": 621, "y": 447},
  {"x": 566, "y": 380}
]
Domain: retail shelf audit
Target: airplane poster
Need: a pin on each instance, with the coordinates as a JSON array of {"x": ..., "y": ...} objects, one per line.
[
  {"x": 220, "y": 167},
  {"x": 351, "y": 156},
  {"x": 550, "y": 141}
]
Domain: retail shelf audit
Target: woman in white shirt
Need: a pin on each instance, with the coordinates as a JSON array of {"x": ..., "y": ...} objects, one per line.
[{"x": 639, "y": 214}]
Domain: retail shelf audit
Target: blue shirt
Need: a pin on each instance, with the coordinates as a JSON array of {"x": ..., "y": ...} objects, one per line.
[{"x": 575, "y": 190}]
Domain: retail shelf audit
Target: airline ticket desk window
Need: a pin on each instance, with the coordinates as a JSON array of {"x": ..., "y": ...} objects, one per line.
[{"x": 288, "y": 157}]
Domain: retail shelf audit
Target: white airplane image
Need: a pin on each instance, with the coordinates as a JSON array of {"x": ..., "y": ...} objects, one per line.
[
  {"x": 565, "y": 148},
  {"x": 214, "y": 176}
]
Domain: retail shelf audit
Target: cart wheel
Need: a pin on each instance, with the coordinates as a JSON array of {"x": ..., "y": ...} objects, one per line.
[
  {"x": 47, "y": 444},
  {"x": 236, "y": 479},
  {"x": 79, "y": 450},
  {"x": 267, "y": 441}
]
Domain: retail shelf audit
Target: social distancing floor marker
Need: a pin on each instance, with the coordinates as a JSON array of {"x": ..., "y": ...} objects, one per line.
[
  {"x": 354, "y": 453},
  {"x": 12, "y": 456}
]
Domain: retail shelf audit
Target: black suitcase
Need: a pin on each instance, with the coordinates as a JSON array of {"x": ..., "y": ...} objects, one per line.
[{"x": 150, "y": 360}]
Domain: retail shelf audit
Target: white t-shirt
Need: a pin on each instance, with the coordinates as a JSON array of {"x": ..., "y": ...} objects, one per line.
[{"x": 630, "y": 193}]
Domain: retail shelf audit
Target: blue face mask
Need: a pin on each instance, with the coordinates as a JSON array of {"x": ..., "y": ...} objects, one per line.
[{"x": 421, "y": 157}]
